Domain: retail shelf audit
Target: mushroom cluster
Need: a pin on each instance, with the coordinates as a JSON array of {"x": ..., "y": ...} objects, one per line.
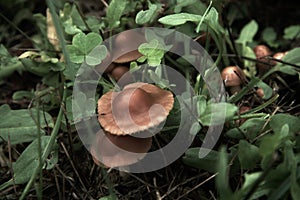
[{"x": 138, "y": 108}]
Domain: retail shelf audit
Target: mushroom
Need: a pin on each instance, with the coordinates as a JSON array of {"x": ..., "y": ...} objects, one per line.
[
  {"x": 115, "y": 151},
  {"x": 261, "y": 52},
  {"x": 122, "y": 75},
  {"x": 278, "y": 56},
  {"x": 135, "y": 109},
  {"x": 138, "y": 107},
  {"x": 242, "y": 110},
  {"x": 233, "y": 77},
  {"x": 260, "y": 92},
  {"x": 126, "y": 41}
]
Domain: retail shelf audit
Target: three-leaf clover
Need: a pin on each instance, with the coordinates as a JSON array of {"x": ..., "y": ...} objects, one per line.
[{"x": 86, "y": 47}]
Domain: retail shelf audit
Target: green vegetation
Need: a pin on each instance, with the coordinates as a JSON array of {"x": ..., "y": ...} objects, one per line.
[{"x": 42, "y": 46}]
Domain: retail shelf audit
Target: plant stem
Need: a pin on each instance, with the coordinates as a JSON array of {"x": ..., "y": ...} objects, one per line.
[
  {"x": 40, "y": 168},
  {"x": 7, "y": 71},
  {"x": 49, "y": 146}
]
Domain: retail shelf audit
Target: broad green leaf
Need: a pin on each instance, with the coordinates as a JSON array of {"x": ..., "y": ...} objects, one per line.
[
  {"x": 20, "y": 125},
  {"x": 145, "y": 16},
  {"x": 183, "y": 3},
  {"x": 114, "y": 12},
  {"x": 208, "y": 163},
  {"x": 248, "y": 154},
  {"x": 279, "y": 120},
  {"x": 217, "y": 113},
  {"x": 249, "y": 129},
  {"x": 180, "y": 18},
  {"x": 287, "y": 69},
  {"x": 25, "y": 165},
  {"x": 292, "y": 56},
  {"x": 292, "y": 32},
  {"x": 269, "y": 36},
  {"x": 212, "y": 20},
  {"x": 270, "y": 143},
  {"x": 248, "y": 32}
]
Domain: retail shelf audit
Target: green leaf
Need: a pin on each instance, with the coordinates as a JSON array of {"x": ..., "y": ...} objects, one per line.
[
  {"x": 248, "y": 154},
  {"x": 292, "y": 32},
  {"x": 287, "y": 69},
  {"x": 153, "y": 51},
  {"x": 76, "y": 55},
  {"x": 208, "y": 163},
  {"x": 180, "y": 18},
  {"x": 248, "y": 32},
  {"x": 96, "y": 55},
  {"x": 82, "y": 45},
  {"x": 269, "y": 36},
  {"x": 20, "y": 125},
  {"x": 114, "y": 12},
  {"x": 25, "y": 165},
  {"x": 183, "y": 3},
  {"x": 222, "y": 181},
  {"x": 268, "y": 91},
  {"x": 83, "y": 108},
  {"x": 279, "y": 120},
  {"x": 293, "y": 56},
  {"x": 146, "y": 16},
  {"x": 250, "y": 179},
  {"x": 270, "y": 143},
  {"x": 195, "y": 128},
  {"x": 249, "y": 129},
  {"x": 21, "y": 94},
  {"x": 216, "y": 113}
]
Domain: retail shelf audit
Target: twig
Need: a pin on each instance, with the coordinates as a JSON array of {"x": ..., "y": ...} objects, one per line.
[{"x": 195, "y": 187}]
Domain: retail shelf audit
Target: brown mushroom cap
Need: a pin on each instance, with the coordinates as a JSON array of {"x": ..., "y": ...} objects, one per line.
[
  {"x": 261, "y": 51},
  {"x": 138, "y": 107},
  {"x": 278, "y": 56},
  {"x": 233, "y": 76},
  {"x": 125, "y": 42},
  {"x": 118, "y": 72},
  {"x": 116, "y": 151}
]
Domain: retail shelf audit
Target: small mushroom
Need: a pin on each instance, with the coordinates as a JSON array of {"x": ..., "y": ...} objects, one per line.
[
  {"x": 121, "y": 75},
  {"x": 261, "y": 52},
  {"x": 115, "y": 151},
  {"x": 233, "y": 78},
  {"x": 242, "y": 109},
  {"x": 260, "y": 92},
  {"x": 138, "y": 107},
  {"x": 126, "y": 41},
  {"x": 278, "y": 56}
]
